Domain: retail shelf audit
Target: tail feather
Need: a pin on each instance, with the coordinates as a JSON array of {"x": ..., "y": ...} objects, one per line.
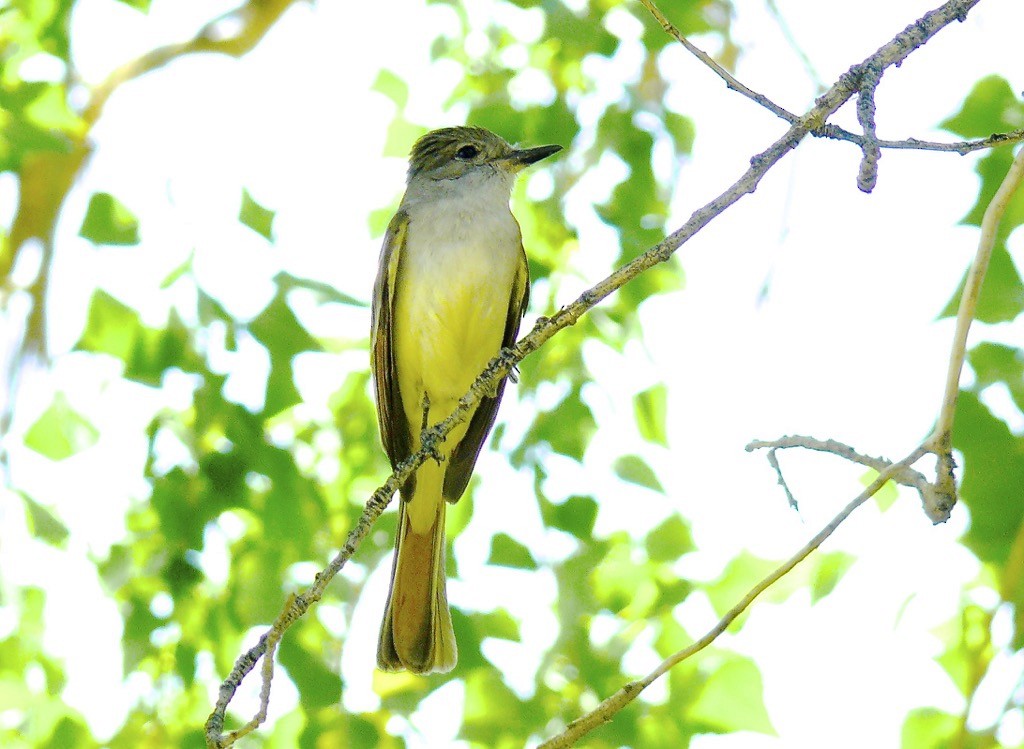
[{"x": 417, "y": 632}]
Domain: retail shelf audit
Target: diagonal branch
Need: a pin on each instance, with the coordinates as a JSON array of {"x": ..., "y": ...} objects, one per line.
[
  {"x": 253, "y": 20},
  {"x": 725, "y": 75},
  {"x": 607, "y": 709},
  {"x": 868, "y": 141}
]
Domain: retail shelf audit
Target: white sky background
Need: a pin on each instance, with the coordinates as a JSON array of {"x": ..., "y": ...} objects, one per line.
[{"x": 844, "y": 345}]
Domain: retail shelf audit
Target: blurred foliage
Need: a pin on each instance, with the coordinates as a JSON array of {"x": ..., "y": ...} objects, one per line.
[{"x": 272, "y": 487}]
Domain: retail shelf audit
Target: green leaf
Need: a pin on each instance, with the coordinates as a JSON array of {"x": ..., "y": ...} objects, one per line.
[
  {"x": 486, "y": 696},
  {"x": 635, "y": 208},
  {"x": 401, "y": 133},
  {"x": 649, "y": 409},
  {"x": 969, "y": 650},
  {"x": 60, "y": 431},
  {"x": 108, "y": 221},
  {"x": 177, "y": 499},
  {"x": 43, "y": 524},
  {"x": 1002, "y": 291},
  {"x": 929, "y": 728},
  {"x": 507, "y": 552},
  {"x": 990, "y": 107},
  {"x": 741, "y": 574},
  {"x": 498, "y": 623},
  {"x": 281, "y": 333},
  {"x": 576, "y": 515},
  {"x": 633, "y": 469},
  {"x": 183, "y": 269},
  {"x": 682, "y": 130},
  {"x": 141, "y": 5},
  {"x": 994, "y": 363},
  {"x": 669, "y": 541},
  {"x": 993, "y": 475},
  {"x": 393, "y": 87},
  {"x": 185, "y": 663},
  {"x": 318, "y": 685},
  {"x": 139, "y": 625},
  {"x": 993, "y": 169},
  {"x": 69, "y": 733},
  {"x": 886, "y": 496},
  {"x": 335, "y": 728},
  {"x": 828, "y": 571},
  {"x": 181, "y": 575},
  {"x": 621, "y": 582},
  {"x": 324, "y": 292},
  {"x": 110, "y": 328},
  {"x": 567, "y": 428},
  {"x": 114, "y": 328},
  {"x": 379, "y": 219},
  {"x": 733, "y": 699},
  {"x": 255, "y": 216}
]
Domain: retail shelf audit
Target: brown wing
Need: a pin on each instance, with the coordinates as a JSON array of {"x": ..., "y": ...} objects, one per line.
[
  {"x": 463, "y": 458},
  {"x": 394, "y": 427}
]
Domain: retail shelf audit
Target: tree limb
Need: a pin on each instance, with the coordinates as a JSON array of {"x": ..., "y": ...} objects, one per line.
[
  {"x": 607, "y": 709},
  {"x": 827, "y": 129},
  {"x": 941, "y": 440}
]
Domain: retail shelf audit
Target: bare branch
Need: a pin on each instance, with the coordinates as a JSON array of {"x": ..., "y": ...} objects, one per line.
[
  {"x": 906, "y": 477},
  {"x": 941, "y": 440},
  {"x": 721, "y": 72},
  {"x": 607, "y": 709},
  {"x": 773, "y": 461},
  {"x": 827, "y": 129}
]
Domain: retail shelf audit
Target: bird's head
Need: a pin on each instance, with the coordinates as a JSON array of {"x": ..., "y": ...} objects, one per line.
[{"x": 454, "y": 152}]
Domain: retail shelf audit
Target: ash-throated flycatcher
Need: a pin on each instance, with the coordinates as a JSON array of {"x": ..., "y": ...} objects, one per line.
[{"x": 451, "y": 288}]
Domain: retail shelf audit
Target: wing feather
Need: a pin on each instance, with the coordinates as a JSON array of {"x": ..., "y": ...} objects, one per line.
[{"x": 394, "y": 427}]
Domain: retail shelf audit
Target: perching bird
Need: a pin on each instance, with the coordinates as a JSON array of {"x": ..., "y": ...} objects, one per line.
[{"x": 451, "y": 289}]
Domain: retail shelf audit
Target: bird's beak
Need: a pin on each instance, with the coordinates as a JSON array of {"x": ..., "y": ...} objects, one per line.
[{"x": 522, "y": 158}]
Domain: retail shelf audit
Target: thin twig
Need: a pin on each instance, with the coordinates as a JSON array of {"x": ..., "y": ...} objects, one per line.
[
  {"x": 827, "y": 129},
  {"x": 963, "y": 147},
  {"x": 607, "y": 709},
  {"x": 773, "y": 461},
  {"x": 907, "y": 477},
  {"x": 725, "y": 75},
  {"x": 941, "y": 440}
]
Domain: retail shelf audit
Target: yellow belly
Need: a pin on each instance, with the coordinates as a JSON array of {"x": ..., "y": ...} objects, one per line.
[{"x": 451, "y": 310}]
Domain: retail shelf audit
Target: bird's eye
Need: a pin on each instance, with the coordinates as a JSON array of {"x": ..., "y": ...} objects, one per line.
[{"x": 467, "y": 153}]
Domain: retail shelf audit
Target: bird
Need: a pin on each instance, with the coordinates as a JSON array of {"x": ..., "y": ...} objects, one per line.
[{"x": 452, "y": 286}]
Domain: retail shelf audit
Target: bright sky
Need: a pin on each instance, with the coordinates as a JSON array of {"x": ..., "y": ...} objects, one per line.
[{"x": 843, "y": 345}]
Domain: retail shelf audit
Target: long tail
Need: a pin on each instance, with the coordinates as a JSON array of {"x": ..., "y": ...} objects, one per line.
[{"x": 417, "y": 633}]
